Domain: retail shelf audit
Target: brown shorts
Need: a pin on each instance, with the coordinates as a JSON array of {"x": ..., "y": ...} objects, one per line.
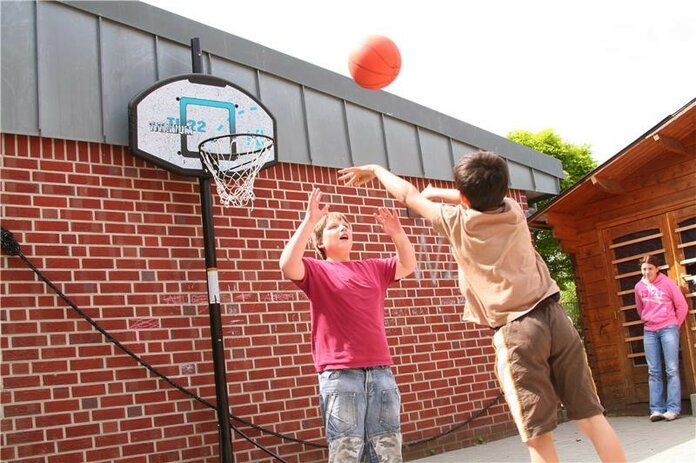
[{"x": 539, "y": 360}]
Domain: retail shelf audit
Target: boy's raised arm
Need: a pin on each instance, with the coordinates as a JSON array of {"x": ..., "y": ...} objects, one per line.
[
  {"x": 405, "y": 254},
  {"x": 446, "y": 195},
  {"x": 291, "y": 258},
  {"x": 399, "y": 188}
]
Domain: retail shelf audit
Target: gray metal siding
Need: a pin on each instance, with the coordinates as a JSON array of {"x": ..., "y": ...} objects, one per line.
[
  {"x": 127, "y": 69},
  {"x": 243, "y": 77},
  {"x": 94, "y": 57},
  {"x": 172, "y": 59},
  {"x": 69, "y": 80},
  {"x": 545, "y": 183},
  {"x": 20, "y": 112},
  {"x": 437, "y": 155},
  {"x": 403, "y": 150},
  {"x": 285, "y": 101},
  {"x": 366, "y": 135},
  {"x": 520, "y": 176},
  {"x": 326, "y": 126},
  {"x": 459, "y": 150}
]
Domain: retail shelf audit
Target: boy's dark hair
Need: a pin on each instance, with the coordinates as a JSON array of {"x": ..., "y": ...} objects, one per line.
[
  {"x": 652, "y": 260},
  {"x": 483, "y": 178},
  {"x": 318, "y": 231}
]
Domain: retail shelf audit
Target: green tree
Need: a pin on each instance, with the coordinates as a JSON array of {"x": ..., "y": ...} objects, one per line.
[
  {"x": 577, "y": 162},
  {"x": 576, "y": 159}
]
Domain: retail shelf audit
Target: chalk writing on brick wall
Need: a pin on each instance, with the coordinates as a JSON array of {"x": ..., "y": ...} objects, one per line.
[
  {"x": 143, "y": 323},
  {"x": 434, "y": 260}
]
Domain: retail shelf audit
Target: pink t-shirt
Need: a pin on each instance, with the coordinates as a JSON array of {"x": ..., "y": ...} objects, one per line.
[
  {"x": 347, "y": 311},
  {"x": 660, "y": 303}
]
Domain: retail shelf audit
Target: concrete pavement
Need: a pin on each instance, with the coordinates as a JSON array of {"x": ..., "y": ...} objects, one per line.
[{"x": 643, "y": 441}]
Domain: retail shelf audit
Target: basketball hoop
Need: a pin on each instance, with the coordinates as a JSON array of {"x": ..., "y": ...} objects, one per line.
[{"x": 234, "y": 161}]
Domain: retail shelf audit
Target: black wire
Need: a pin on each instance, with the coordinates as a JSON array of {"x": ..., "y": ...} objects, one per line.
[
  {"x": 11, "y": 246},
  {"x": 9, "y": 243},
  {"x": 456, "y": 427}
]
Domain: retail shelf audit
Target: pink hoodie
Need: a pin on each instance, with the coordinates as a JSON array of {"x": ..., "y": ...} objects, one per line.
[{"x": 660, "y": 303}]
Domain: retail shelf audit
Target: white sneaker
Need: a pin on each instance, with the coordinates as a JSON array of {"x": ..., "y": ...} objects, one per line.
[
  {"x": 656, "y": 416},
  {"x": 669, "y": 416}
]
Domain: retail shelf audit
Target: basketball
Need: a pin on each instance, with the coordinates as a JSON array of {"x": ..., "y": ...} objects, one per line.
[{"x": 375, "y": 63}]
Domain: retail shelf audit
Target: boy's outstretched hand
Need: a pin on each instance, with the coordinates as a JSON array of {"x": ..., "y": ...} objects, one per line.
[
  {"x": 314, "y": 211},
  {"x": 358, "y": 175},
  {"x": 389, "y": 220}
]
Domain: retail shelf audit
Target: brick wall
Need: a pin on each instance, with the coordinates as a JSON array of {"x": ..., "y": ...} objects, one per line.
[{"x": 122, "y": 239}]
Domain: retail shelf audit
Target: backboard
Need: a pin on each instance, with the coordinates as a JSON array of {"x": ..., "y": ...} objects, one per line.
[{"x": 170, "y": 119}]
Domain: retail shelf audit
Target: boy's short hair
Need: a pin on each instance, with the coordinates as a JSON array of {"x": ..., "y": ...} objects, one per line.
[
  {"x": 483, "y": 178},
  {"x": 318, "y": 231}
]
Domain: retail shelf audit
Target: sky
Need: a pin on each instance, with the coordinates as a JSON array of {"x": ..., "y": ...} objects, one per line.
[{"x": 598, "y": 72}]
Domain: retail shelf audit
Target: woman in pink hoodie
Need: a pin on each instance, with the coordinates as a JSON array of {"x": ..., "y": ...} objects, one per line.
[{"x": 662, "y": 307}]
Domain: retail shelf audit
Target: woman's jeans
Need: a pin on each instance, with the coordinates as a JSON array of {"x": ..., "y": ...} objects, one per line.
[
  {"x": 361, "y": 411},
  {"x": 663, "y": 342}
]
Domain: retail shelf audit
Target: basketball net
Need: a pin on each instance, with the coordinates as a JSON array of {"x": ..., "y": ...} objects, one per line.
[{"x": 234, "y": 161}]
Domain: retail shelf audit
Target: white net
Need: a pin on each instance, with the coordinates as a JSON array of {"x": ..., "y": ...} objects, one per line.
[{"x": 234, "y": 162}]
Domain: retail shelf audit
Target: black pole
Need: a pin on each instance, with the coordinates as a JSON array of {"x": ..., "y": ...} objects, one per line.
[{"x": 223, "y": 409}]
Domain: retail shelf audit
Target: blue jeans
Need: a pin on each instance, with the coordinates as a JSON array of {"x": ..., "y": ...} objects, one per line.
[
  {"x": 663, "y": 342},
  {"x": 361, "y": 412}
]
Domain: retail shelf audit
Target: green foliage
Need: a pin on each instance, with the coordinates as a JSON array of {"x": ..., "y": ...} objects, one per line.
[
  {"x": 569, "y": 301},
  {"x": 560, "y": 266},
  {"x": 568, "y": 294},
  {"x": 577, "y": 162}
]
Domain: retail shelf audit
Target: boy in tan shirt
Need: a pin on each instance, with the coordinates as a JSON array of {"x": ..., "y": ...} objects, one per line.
[{"x": 507, "y": 286}]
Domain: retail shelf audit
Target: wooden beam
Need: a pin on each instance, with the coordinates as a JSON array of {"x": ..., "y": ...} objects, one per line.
[
  {"x": 609, "y": 186},
  {"x": 569, "y": 246},
  {"x": 559, "y": 218},
  {"x": 670, "y": 144},
  {"x": 564, "y": 231}
]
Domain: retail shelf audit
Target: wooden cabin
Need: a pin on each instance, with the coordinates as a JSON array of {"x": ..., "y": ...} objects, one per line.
[{"x": 641, "y": 201}]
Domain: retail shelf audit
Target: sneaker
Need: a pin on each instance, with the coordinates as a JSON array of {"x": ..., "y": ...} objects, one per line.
[
  {"x": 657, "y": 416},
  {"x": 670, "y": 416}
]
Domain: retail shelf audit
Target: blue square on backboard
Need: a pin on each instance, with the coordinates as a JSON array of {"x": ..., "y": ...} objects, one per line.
[{"x": 205, "y": 119}]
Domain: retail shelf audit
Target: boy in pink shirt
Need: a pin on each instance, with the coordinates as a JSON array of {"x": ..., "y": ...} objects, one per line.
[{"x": 359, "y": 398}]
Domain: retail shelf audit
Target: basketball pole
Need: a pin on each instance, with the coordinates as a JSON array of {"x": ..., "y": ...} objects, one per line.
[{"x": 223, "y": 409}]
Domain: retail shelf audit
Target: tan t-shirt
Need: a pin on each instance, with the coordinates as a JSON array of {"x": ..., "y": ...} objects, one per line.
[{"x": 501, "y": 275}]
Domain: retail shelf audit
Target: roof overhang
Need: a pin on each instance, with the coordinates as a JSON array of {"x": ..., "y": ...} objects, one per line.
[{"x": 665, "y": 137}]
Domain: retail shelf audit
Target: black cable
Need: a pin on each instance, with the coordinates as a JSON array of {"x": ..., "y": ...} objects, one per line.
[
  {"x": 11, "y": 247},
  {"x": 9, "y": 243},
  {"x": 456, "y": 427}
]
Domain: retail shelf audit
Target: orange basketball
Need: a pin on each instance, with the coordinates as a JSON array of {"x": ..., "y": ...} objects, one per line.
[{"x": 375, "y": 63}]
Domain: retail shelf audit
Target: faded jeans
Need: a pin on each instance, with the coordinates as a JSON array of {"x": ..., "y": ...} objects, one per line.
[
  {"x": 361, "y": 412},
  {"x": 658, "y": 344}
]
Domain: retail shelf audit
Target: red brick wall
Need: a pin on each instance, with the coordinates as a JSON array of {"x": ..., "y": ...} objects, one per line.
[{"x": 122, "y": 239}]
